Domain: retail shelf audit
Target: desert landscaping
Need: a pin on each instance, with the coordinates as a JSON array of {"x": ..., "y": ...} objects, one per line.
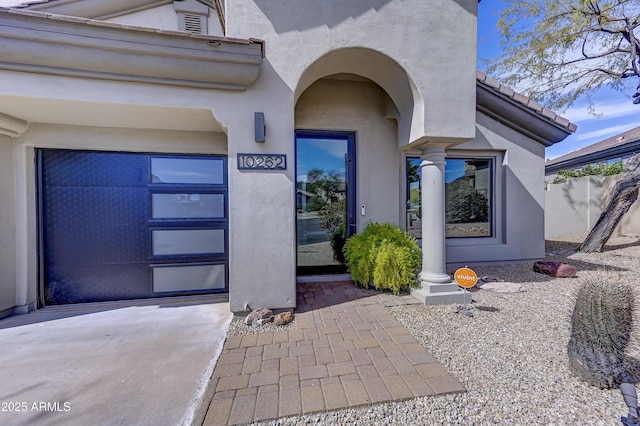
[{"x": 510, "y": 355}]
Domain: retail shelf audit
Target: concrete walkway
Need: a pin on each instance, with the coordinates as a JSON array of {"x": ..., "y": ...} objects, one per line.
[
  {"x": 127, "y": 363},
  {"x": 347, "y": 350}
]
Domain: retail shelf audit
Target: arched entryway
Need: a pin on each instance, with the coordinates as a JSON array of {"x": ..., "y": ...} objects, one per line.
[{"x": 347, "y": 166}]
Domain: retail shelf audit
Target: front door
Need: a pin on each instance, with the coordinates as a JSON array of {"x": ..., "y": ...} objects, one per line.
[{"x": 325, "y": 194}]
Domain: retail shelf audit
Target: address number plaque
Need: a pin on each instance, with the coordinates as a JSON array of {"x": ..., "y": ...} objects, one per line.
[{"x": 262, "y": 162}]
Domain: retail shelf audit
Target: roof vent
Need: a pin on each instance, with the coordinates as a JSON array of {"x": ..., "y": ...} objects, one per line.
[
  {"x": 193, "y": 23},
  {"x": 192, "y": 16}
]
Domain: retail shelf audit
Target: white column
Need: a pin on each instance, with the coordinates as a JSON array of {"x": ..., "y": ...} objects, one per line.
[{"x": 436, "y": 286}]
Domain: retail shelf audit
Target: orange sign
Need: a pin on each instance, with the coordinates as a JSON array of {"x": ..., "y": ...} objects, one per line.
[{"x": 465, "y": 277}]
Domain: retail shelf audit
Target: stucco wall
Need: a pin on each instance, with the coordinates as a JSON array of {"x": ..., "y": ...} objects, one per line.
[
  {"x": 519, "y": 197},
  {"x": 7, "y": 234},
  {"x": 421, "y": 53},
  {"x": 360, "y": 107},
  {"x": 576, "y": 205}
]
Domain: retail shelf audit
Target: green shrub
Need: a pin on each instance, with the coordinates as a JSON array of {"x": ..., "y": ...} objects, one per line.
[
  {"x": 590, "y": 170},
  {"x": 384, "y": 255}
]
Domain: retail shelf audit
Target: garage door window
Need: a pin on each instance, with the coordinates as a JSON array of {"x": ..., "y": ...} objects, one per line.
[
  {"x": 187, "y": 206},
  {"x": 188, "y": 171}
]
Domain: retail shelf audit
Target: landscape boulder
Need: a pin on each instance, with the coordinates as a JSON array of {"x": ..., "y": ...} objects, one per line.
[
  {"x": 259, "y": 316},
  {"x": 283, "y": 318},
  {"x": 555, "y": 269}
]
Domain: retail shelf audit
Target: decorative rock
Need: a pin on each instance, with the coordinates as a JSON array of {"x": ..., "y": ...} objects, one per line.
[
  {"x": 259, "y": 316},
  {"x": 283, "y": 318},
  {"x": 555, "y": 269}
]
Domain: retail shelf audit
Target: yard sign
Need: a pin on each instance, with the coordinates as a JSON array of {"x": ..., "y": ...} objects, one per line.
[{"x": 465, "y": 277}]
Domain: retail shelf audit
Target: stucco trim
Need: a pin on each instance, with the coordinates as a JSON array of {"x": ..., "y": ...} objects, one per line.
[
  {"x": 37, "y": 42},
  {"x": 522, "y": 118},
  {"x": 12, "y": 126}
]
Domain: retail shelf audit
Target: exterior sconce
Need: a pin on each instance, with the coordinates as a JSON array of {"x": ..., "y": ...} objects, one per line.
[{"x": 260, "y": 129}]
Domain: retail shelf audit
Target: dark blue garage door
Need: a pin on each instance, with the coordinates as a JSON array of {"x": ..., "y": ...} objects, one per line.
[{"x": 125, "y": 226}]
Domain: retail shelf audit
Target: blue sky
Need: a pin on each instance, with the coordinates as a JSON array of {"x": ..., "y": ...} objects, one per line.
[
  {"x": 616, "y": 113},
  {"x": 326, "y": 154}
]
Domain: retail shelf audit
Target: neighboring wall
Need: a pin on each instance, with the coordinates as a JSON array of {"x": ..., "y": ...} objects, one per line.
[{"x": 576, "y": 205}]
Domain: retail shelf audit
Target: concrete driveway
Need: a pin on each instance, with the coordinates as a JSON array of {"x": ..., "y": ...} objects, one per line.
[{"x": 144, "y": 363}]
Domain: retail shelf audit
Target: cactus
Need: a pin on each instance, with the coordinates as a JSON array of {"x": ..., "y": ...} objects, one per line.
[
  {"x": 601, "y": 326},
  {"x": 600, "y": 331}
]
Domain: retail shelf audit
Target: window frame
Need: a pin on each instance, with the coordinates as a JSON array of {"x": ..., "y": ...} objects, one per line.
[{"x": 496, "y": 201}]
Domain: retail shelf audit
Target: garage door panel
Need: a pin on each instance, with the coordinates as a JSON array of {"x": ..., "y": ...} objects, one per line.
[
  {"x": 96, "y": 283},
  {"x": 85, "y": 168},
  {"x": 94, "y": 225}
]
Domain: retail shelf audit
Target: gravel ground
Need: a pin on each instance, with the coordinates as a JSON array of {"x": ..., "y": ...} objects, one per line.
[{"x": 511, "y": 355}]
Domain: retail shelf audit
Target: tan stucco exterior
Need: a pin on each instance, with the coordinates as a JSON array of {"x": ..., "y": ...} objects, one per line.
[{"x": 399, "y": 73}]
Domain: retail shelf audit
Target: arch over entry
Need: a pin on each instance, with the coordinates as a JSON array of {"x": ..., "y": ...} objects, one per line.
[{"x": 381, "y": 69}]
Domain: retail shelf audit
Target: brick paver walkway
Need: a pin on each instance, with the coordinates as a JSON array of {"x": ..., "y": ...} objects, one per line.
[{"x": 347, "y": 350}]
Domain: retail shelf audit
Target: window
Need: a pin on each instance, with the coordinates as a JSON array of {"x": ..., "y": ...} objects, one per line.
[{"x": 468, "y": 197}]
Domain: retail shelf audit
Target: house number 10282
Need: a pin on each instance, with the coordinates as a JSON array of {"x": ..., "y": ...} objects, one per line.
[{"x": 262, "y": 162}]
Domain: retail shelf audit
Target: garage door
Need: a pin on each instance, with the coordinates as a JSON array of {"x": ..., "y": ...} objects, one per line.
[{"x": 119, "y": 226}]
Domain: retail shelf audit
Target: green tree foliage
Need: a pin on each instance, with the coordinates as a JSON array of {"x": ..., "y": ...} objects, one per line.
[
  {"x": 383, "y": 255},
  {"x": 321, "y": 187},
  {"x": 557, "y": 51},
  {"x": 464, "y": 204},
  {"x": 333, "y": 217},
  {"x": 590, "y": 170}
]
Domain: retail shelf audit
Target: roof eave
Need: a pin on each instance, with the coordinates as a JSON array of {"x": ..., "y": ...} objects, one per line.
[
  {"x": 42, "y": 43},
  {"x": 522, "y": 118}
]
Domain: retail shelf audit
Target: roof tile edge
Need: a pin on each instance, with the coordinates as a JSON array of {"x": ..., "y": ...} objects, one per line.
[{"x": 525, "y": 101}]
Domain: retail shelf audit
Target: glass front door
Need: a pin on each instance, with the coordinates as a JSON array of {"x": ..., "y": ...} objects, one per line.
[{"x": 325, "y": 195}]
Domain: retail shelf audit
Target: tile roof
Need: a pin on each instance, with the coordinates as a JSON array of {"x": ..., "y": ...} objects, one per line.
[
  {"x": 625, "y": 138},
  {"x": 525, "y": 101}
]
